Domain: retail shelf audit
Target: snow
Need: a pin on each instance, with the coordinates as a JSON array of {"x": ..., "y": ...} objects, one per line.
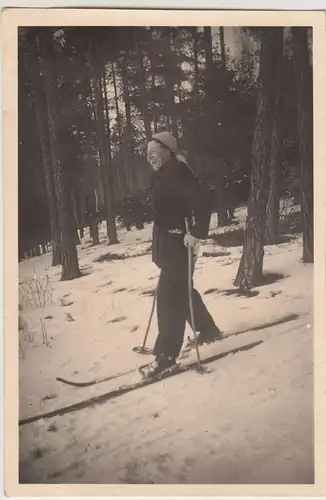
[{"x": 248, "y": 420}]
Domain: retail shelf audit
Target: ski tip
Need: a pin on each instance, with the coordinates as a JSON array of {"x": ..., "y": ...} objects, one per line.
[{"x": 74, "y": 384}]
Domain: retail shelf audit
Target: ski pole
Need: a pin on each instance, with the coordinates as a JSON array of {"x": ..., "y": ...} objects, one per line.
[
  {"x": 143, "y": 349},
  {"x": 191, "y": 307}
]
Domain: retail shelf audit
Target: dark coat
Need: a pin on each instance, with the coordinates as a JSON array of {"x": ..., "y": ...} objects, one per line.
[{"x": 176, "y": 195}]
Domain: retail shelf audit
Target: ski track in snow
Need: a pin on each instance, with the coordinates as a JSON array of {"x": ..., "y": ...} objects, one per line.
[{"x": 250, "y": 420}]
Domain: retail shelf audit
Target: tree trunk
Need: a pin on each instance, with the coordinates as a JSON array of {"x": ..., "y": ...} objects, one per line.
[
  {"x": 109, "y": 151},
  {"x": 107, "y": 116},
  {"x": 142, "y": 87},
  {"x": 125, "y": 92},
  {"x": 154, "y": 109},
  {"x": 76, "y": 211},
  {"x": 77, "y": 239},
  {"x": 37, "y": 251},
  {"x": 169, "y": 85},
  {"x": 304, "y": 100},
  {"x": 69, "y": 259},
  {"x": 94, "y": 234},
  {"x": 90, "y": 204},
  {"x": 196, "y": 68},
  {"x": 222, "y": 212},
  {"x": 82, "y": 232},
  {"x": 222, "y": 46},
  {"x": 128, "y": 133},
  {"x": 119, "y": 124},
  {"x": 273, "y": 203},
  {"x": 251, "y": 263},
  {"x": 90, "y": 209},
  {"x": 208, "y": 49},
  {"x": 180, "y": 121},
  {"x": 225, "y": 205},
  {"x": 220, "y": 184},
  {"x": 40, "y": 109},
  {"x": 93, "y": 225},
  {"x": 208, "y": 86},
  {"x": 104, "y": 164},
  {"x": 178, "y": 80},
  {"x": 89, "y": 183},
  {"x": 117, "y": 105}
]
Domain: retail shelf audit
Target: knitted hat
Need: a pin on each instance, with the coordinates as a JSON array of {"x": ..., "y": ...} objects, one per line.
[{"x": 167, "y": 140}]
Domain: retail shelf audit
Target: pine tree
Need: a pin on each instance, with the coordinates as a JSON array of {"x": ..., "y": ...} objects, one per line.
[
  {"x": 95, "y": 73},
  {"x": 303, "y": 89},
  {"x": 251, "y": 264},
  {"x": 69, "y": 259},
  {"x": 273, "y": 203}
]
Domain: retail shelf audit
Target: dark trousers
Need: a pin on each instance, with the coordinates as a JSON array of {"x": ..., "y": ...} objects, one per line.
[{"x": 173, "y": 310}]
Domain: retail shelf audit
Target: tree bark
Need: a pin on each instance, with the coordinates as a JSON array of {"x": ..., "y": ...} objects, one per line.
[
  {"x": 89, "y": 183},
  {"x": 119, "y": 124},
  {"x": 222, "y": 46},
  {"x": 113, "y": 175},
  {"x": 154, "y": 109},
  {"x": 93, "y": 225},
  {"x": 251, "y": 263},
  {"x": 196, "y": 67},
  {"x": 129, "y": 156},
  {"x": 304, "y": 100},
  {"x": 108, "y": 151},
  {"x": 142, "y": 87},
  {"x": 208, "y": 48},
  {"x": 273, "y": 203},
  {"x": 169, "y": 85},
  {"x": 104, "y": 164},
  {"x": 74, "y": 201},
  {"x": 40, "y": 109},
  {"x": 222, "y": 214},
  {"x": 69, "y": 259},
  {"x": 107, "y": 116},
  {"x": 116, "y": 100}
]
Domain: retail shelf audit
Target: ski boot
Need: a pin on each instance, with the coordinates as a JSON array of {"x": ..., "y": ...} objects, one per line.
[
  {"x": 161, "y": 366},
  {"x": 207, "y": 337}
]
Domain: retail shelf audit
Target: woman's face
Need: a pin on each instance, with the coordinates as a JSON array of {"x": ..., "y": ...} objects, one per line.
[{"x": 156, "y": 155}]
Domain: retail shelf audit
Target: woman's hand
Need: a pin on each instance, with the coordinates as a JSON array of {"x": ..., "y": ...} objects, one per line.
[{"x": 190, "y": 241}]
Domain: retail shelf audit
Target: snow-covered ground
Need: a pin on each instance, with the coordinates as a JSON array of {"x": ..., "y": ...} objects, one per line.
[{"x": 249, "y": 420}]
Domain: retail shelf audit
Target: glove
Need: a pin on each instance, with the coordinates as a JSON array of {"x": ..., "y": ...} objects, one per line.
[
  {"x": 194, "y": 243},
  {"x": 190, "y": 241}
]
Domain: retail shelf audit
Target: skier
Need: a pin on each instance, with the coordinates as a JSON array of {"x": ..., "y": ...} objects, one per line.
[{"x": 176, "y": 195}]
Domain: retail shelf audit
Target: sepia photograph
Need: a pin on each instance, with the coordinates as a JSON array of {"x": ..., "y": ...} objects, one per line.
[{"x": 165, "y": 254}]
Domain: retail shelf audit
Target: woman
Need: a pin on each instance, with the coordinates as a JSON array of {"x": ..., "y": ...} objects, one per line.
[{"x": 176, "y": 195}]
